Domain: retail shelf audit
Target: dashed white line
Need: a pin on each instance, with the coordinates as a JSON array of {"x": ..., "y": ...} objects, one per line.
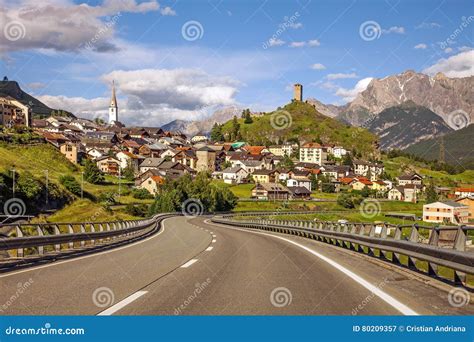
[
  {"x": 113, "y": 309},
  {"x": 214, "y": 240},
  {"x": 189, "y": 263},
  {"x": 208, "y": 249}
]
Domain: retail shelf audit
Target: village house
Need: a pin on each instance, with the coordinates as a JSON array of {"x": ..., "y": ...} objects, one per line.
[
  {"x": 469, "y": 202},
  {"x": 412, "y": 178},
  {"x": 151, "y": 183},
  {"x": 206, "y": 159},
  {"x": 299, "y": 182},
  {"x": 270, "y": 191},
  {"x": 299, "y": 193},
  {"x": 366, "y": 169},
  {"x": 150, "y": 163},
  {"x": 234, "y": 175},
  {"x": 339, "y": 151},
  {"x": 109, "y": 165},
  {"x": 313, "y": 153},
  {"x": 283, "y": 150},
  {"x": 446, "y": 212},
  {"x": 129, "y": 159},
  {"x": 264, "y": 176},
  {"x": 464, "y": 192},
  {"x": 72, "y": 152}
]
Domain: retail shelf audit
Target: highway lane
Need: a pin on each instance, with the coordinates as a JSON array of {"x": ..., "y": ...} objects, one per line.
[{"x": 193, "y": 267}]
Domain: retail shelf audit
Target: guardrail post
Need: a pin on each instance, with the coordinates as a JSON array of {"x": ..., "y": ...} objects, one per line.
[
  {"x": 398, "y": 232},
  {"x": 57, "y": 247},
  {"x": 434, "y": 236},
  {"x": 19, "y": 233},
  {"x": 414, "y": 236},
  {"x": 40, "y": 232},
  {"x": 83, "y": 230},
  {"x": 70, "y": 230},
  {"x": 460, "y": 241},
  {"x": 92, "y": 231}
]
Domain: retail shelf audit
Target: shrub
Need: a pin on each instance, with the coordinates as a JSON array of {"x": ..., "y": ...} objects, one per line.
[
  {"x": 71, "y": 184},
  {"x": 141, "y": 194}
]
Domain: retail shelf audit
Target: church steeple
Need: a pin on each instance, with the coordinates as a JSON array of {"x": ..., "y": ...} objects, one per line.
[{"x": 113, "y": 107}]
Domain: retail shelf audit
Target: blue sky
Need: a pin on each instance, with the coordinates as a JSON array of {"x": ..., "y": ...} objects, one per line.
[{"x": 244, "y": 53}]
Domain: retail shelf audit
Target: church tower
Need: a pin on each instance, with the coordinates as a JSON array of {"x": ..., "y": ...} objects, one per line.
[{"x": 113, "y": 108}]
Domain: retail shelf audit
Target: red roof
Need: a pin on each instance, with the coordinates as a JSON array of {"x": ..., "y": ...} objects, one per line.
[
  {"x": 255, "y": 150},
  {"x": 346, "y": 180},
  {"x": 464, "y": 189}
]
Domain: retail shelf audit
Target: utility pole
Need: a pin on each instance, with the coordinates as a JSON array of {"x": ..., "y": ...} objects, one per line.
[
  {"x": 14, "y": 172},
  {"x": 120, "y": 182},
  {"x": 47, "y": 186},
  {"x": 82, "y": 185}
]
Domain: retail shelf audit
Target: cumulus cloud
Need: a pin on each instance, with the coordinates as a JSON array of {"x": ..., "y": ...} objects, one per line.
[
  {"x": 394, "y": 29},
  {"x": 275, "y": 42},
  {"x": 350, "y": 94},
  {"x": 167, "y": 11},
  {"x": 420, "y": 46},
  {"x": 318, "y": 66},
  {"x": 155, "y": 96},
  {"x": 60, "y": 25},
  {"x": 460, "y": 65},
  {"x": 341, "y": 75}
]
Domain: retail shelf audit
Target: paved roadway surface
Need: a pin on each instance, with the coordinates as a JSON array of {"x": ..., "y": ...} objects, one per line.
[{"x": 194, "y": 267}]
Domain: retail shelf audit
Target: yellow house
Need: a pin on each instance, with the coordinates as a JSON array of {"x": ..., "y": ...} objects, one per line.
[{"x": 264, "y": 176}]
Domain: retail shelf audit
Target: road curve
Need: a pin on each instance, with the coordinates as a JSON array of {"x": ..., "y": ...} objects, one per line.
[{"x": 194, "y": 267}]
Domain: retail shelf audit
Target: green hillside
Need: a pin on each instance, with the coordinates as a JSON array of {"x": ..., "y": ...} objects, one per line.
[
  {"x": 457, "y": 146},
  {"x": 300, "y": 121}
]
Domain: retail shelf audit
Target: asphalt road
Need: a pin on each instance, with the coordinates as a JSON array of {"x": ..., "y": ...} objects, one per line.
[{"x": 194, "y": 267}]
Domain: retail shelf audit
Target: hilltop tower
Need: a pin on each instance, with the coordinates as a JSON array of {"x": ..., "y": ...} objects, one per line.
[
  {"x": 298, "y": 92},
  {"x": 113, "y": 108}
]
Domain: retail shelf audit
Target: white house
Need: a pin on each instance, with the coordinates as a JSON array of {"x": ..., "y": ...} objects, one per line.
[
  {"x": 303, "y": 182},
  {"x": 448, "y": 211},
  {"x": 234, "y": 175},
  {"x": 313, "y": 153},
  {"x": 339, "y": 151}
]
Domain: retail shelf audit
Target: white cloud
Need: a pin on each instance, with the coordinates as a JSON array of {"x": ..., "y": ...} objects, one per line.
[
  {"x": 460, "y": 65},
  {"x": 60, "y": 25},
  {"x": 276, "y": 42},
  {"x": 465, "y": 48},
  {"x": 310, "y": 43},
  {"x": 297, "y": 44},
  {"x": 295, "y": 25},
  {"x": 448, "y": 50},
  {"x": 394, "y": 29},
  {"x": 426, "y": 25},
  {"x": 339, "y": 76},
  {"x": 421, "y": 46},
  {"x": 167, "y": 11},
  {"x": 314, "y": 42},
  {"x": 318, "y": 66},
  {"x": 350, "y": 94},
  {"x": 155, "y": 96}
]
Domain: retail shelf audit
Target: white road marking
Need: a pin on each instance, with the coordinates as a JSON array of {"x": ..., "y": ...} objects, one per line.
[
  {"x": 214, "y": 240},
  {"x": 114, "y": 308},
  {"x": 189, "y": 263},
  {"x": 374, "y": 289},
  {"x": 208, "y": 249},
  {"x": 86, "y": 256}
]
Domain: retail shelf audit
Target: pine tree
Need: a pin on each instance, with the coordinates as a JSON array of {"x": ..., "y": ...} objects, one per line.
[
  {"x": 92, "y": 174},
  {"x": 216, "y": 132},
  {"x": 431, "y": 194}
]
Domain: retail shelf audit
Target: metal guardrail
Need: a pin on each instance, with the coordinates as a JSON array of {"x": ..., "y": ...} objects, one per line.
[
  {"x": 34, "y": 237},
  {"x": 378, "y": 240}
]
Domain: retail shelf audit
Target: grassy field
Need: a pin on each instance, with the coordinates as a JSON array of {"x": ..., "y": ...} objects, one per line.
[{"x": 399, "y": 165}]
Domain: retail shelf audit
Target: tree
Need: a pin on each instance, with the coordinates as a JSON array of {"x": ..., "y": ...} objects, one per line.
[
  {"x": 431, "y": 194},
  {"x": 235, "y": 128},
  {"x": 128, "y": 173},
  {"x": 29, "y": 186},
  {"x": 365, "y": 192},
  {"x": 347, "y": 160},
  {"x": 287, "y": 162},
  {"x": 216, "y": 133},
  {"x": 71, "y": 184},
  {"x": 248, "y": 118},
  {"x": 92, "y": 174}
]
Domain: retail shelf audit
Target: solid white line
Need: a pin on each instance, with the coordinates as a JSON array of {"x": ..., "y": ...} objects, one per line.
[
  {"x": 113, "y": 309},
  {"x": 374, "y": 289},
  {"x": 208, "y": 249},
  {"x": 86, "y": 256},
  {"x": 189, "y": 263}
]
